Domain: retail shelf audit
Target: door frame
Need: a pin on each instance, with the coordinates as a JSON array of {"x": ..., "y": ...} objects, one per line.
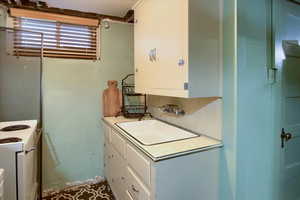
[{"x": 276, "y": 100}]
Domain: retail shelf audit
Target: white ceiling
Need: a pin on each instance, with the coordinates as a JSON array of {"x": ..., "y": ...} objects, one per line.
[{"x": 107, "y": 7}]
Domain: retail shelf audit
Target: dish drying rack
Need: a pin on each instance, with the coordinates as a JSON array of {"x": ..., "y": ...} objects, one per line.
[{"x": 134, "y": 105}]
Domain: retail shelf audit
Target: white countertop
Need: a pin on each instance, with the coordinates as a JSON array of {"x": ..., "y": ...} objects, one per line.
[
  {"x": 152, "y": 132},
  {"x": 167, "y": 150},
  {"x": 25, "y": 135}
]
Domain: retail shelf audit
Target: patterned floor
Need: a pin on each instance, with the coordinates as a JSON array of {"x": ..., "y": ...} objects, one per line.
[{"x": 99, "y": 191}]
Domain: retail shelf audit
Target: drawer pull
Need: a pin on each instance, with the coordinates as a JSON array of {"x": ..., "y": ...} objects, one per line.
[
  {"x": 123, "y": 178},
  {"x": 134, "y": 189},
  {"x": 30, "y": 150}
]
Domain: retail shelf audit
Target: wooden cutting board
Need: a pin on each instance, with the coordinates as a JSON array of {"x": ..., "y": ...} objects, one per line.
[{"x": 112, "y": 100}]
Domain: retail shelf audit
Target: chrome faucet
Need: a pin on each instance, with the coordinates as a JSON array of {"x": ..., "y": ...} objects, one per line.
[{"x": 173, "y": 109}]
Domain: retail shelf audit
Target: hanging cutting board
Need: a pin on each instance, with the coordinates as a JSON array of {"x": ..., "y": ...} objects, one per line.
[{"x": 112, "y": 100}]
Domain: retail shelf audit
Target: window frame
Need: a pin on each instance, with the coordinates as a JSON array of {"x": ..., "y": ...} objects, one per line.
[{"x": 68, "y": 46}]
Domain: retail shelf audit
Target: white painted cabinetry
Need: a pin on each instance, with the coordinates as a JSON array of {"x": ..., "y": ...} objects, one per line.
[
  {"x": 1, "y": 184},
  {"x": 178, "y": 47},
  {"x": 132, "y": 175}
]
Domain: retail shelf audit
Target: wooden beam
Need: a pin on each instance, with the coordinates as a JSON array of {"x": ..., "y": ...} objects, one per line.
[
  {"x": 18, "y": 12},
  {"x": 129, "y": 17},
  {"x": 43, "y": 7},
  {"x": 68, "y": 12}
]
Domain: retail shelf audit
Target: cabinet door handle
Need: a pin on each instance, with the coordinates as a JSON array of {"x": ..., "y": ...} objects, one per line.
[
  {"x": 150, "y": 56},
  {"x": 30, "y": 150},
  {"x": 134, "y": 189},
  {"x": 181, "y": 62}
]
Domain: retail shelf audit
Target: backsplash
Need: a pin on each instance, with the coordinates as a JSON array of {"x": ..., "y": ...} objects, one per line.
[{"x": 202, "y": 115}]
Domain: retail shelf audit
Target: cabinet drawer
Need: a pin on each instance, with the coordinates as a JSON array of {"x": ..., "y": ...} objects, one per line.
[
  {"x": 119, "y": 172},
  {"x": 128, "y": 196},
  {"x": 116, "y": 173},
  {"x": 139, "y": 164},
  {"x": 1, "y": 189},
  {"x": 136, "y": 188},
  {"x": 107, "y": 154},
  {"x": 118, "y": 142}
]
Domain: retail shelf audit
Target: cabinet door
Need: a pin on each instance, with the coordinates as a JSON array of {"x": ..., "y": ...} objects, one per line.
[
  {"x": 106, "y": 159},
  {"x": 118, "y": 173},
  {"x": 171, "y": 32},
  {"x": 107, "y": 162},
  {"x": 161, "y": 43},
  {"x": 143, "y": 32}
]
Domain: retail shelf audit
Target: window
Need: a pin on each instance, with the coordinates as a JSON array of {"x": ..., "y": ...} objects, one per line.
[{"x": 60, "y": 40}]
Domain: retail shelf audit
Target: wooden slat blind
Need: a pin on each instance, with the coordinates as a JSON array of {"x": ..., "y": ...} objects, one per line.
[{"x": 60, "y": 40}]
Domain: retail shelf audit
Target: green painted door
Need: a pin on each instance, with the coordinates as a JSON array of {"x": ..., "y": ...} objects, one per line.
[
  {"x": 288, "y": 28},
  {"x": 290, "y": 170}
]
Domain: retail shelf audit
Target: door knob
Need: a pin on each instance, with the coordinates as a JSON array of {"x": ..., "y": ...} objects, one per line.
[{"x": 285, "y": 137}]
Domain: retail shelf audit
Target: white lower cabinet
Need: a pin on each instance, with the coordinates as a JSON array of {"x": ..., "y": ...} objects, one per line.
[
  {"x": 115, "y": 171},
  {"x": 1, "y": 184},
  {"x": 134, "y": 176}
]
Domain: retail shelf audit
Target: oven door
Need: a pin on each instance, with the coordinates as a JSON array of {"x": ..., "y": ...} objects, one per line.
[
  {"x": 27, "y": 174},
  {"x": 8, "y": 163}
]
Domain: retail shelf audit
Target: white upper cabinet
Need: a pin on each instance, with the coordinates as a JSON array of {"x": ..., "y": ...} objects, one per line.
[{"x": 178, "y": 47}]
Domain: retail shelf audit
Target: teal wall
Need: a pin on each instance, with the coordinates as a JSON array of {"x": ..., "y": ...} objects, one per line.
[
  {"x": 247, "y": 162},
  {"x": 228, "y": 157},
  {"x": 254, "y": 111},
  {"x": 19, "y": 82},
  {"x": 73, "y": 145}
]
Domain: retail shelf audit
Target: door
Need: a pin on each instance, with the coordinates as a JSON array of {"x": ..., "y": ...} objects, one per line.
[
  {"x": 161, "y": 45},
  {"x": 8, "y": 163},
  {"x": 288, "y": 28},
  {"x": 171, "y": 34},
  {"x": 116, "y": 172},
  {"x": 291, "y": 125},
  {"x": 27, "y": 175},
  {"x": 144, "y": 44}
]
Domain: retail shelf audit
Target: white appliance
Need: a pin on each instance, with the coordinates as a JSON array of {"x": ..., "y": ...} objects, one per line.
[
  {"x": 18, "y": 158},
  {"x": 1, "y": 184}
]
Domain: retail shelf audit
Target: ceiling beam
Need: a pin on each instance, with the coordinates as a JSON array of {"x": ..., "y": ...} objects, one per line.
[
  {"x": 129, "y": 17},
  {"x": 43, "y": 7}
]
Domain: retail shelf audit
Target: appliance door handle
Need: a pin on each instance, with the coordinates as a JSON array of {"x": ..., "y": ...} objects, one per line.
[{"x": 30, "y": 150}]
